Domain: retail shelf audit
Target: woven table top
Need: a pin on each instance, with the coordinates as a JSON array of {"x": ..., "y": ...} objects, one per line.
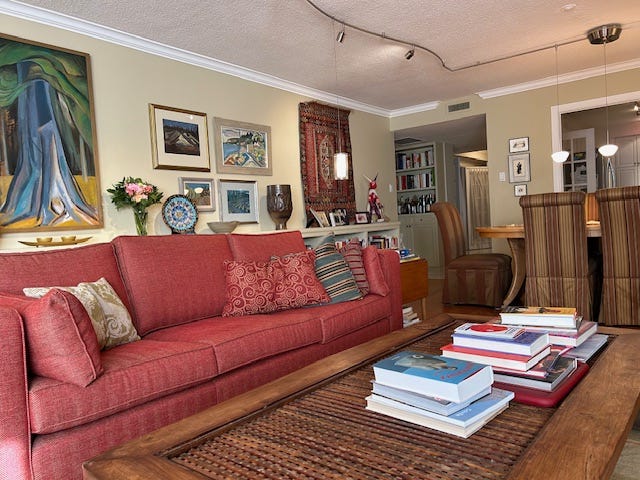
[{"x": 328, "y": 434}]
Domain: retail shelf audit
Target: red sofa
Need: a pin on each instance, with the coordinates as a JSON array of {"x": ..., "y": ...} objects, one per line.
[{"x": 189, "y": 356}]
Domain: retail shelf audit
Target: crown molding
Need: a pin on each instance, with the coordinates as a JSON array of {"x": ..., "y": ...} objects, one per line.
[{"x": 423, "y": 107}]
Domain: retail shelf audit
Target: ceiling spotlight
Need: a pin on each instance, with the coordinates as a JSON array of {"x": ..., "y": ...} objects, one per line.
[
  {"x": 410, "y": 53},
  {"x": 340, "y": 37}
]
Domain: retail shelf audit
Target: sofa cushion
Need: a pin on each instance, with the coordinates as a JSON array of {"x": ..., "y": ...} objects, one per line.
[
  {"x": 110, "y": 318},
  {"x": 134, "y": 373},
  {"x": 343, "y": 318},
  {"x": 239, "y": 341},
  {"x": 260, "y": 248},
  {"x": 375, "y": 276},
  {"x": 352, "y": 254},
  {"x": 173, "y": 279},
  {"x": 334, "y": 272},
  {"x": 61, "y": 342},
  {"x": 67, "y": 266}
]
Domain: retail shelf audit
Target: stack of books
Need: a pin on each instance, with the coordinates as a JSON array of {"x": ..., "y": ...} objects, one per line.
[
  {"x": 445, "y": 394},
  {"x": 409, "y": 317}
]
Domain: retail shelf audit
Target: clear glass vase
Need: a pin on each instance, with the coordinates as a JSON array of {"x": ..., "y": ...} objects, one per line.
[{"x": 140, "y": 217}]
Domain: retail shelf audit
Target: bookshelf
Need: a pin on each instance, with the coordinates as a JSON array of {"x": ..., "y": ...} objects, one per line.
[{"x": 385, "y": 234}]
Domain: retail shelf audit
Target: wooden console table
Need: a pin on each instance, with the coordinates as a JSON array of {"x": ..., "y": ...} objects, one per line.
[{"x": 414, "y": 283}]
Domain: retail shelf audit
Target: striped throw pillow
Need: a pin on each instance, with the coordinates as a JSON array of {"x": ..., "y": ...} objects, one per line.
[
  {"x": 352, "y": 253},
  {"x": 333, "y": 272}
]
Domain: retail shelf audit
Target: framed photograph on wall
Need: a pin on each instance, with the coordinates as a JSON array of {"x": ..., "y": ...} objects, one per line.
[
  {"x": 179, "y": 139},
  {"x": 519, "y": 168},
  {"x": 242, "y": 147},
  {"x": 520, "y": 190},
  {"x": 517, "y": 145},
  {"x": 238, "y": 201},
  {"x": 200, "y": 191}
]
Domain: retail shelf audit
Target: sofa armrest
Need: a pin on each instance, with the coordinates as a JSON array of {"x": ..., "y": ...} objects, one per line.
[
  {"x": 15, "y": 438},
  {"x": 390, "y": 262}
]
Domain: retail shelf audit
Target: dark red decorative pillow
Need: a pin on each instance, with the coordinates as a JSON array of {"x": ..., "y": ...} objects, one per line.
[
  {"x": 296, "y": 283},
  {"x": 250, "y": 288},
  {"x": 61, "y": 341},
  {"x": 352, "y": 253},
  {"x": 377, "y": 283}
]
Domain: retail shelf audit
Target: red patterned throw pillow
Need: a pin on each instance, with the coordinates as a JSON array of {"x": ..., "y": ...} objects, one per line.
[
  {"x": 352, "y": 253},
  {"x": 296, "y": 283}
]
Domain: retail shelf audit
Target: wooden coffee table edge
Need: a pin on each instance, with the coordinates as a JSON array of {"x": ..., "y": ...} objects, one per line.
[{"x": 133, "y": 458}]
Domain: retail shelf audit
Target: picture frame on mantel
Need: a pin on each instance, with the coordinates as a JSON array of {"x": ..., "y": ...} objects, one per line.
[
  {"x": 242, "y": 147},
  {"x": 179, "y": 139},
  {"x": 239, "y": 201}
]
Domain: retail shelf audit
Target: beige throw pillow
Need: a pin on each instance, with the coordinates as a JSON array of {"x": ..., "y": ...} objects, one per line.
[{"x": 109, "y": 316}]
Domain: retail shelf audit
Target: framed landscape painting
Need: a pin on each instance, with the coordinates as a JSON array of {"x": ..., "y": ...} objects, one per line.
[
  {"x": 46, "y": 100},
  {"x": 200, "y": 191},
  {"x": 242, "y": 147},
  {"x": 238, "y": 201},
  {"x": 179, "y": 139}
]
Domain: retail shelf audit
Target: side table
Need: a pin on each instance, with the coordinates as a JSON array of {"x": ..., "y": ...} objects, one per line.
[{"x": 414, "y": 282}]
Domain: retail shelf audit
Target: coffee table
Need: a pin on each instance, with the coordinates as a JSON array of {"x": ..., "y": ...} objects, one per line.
[{"x": 312, "y": 424}]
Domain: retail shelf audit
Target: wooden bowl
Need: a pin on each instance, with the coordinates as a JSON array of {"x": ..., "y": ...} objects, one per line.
[{"x": 222, "y": 227}]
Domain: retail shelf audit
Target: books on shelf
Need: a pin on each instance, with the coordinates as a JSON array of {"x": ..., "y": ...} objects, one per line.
[
  {"x": 562, "y": 367},
  {"x": 426, "y": 402},
  {"x": 493, "y": 358},
  {"x": 540, "y": 316},
  {"x": 409, "y": 317},
  {"x": 462, "y": 423},
  {"x": 525, "y": 343},
  {"x": 447, "y": 378},
  {"x": 489, "y": 330},
  {"x": 588, "y": 348}
]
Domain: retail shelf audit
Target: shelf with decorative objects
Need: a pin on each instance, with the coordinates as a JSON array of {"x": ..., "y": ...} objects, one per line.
[{"x": 381, "y": 234}]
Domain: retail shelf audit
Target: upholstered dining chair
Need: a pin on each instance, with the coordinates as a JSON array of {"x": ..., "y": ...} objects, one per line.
[
  {"x": 472, "y": 279},
  {"x": 620, "y": 226},
  {"x": 557, "y": 266}
]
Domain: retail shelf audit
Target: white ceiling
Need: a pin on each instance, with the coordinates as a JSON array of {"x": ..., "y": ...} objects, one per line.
[{"x": 290, "y": 43}]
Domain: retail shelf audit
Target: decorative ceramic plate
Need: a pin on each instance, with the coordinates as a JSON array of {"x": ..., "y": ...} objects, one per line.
[{"x": 180, "y": 214}]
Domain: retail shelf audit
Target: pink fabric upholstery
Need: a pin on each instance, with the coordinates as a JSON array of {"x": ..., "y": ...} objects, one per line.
[
  {"x": 62, "y": 343},
  {"x": 375, "y": 276},
  {"x": 239, "y": 341},
  {"x": 173, "y": 279},
  {"x": 260, "y": 248},
  {"x": 68, "y": 266},
  {"x": 134, "y": 373},
  {"x": 341, "y": 318}
]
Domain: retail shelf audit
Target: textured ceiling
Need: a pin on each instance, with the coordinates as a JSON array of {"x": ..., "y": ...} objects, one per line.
[{"x": 293, "y": 41}]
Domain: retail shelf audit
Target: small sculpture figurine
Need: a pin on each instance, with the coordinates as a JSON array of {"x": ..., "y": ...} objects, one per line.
[{"x": 374, "y": 206}]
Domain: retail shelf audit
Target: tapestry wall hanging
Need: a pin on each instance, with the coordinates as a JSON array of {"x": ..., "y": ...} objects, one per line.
[
  {"x": 318, "y": 142},
  {"x": 48, "y": 161}
]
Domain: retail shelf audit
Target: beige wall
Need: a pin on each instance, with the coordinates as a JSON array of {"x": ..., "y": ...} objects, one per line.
[{"x": 125, "y": 81}]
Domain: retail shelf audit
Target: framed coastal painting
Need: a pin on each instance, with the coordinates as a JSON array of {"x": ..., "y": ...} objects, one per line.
[
  {"x": 179, "y": 139},
  {"x": 238, "y": 201},
  {"x": 242, "y": 147},
  {"x": 200, "y": 191},
  {"x": 47, "y": 100}
]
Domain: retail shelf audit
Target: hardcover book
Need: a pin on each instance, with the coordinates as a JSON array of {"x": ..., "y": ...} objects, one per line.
[
  {"x": 574, "y": 339},
  {"x": 493, "y": 358},
  {"x": 433, "y": 375},
  {"x": 540, "y": 316},
  {"x": 463, "y": 423},
  {"x": 562, "y": 368},
  {"x": 526, "y": 343},
  {"x": 589, "y": 348},
  {"x": 488, "y": 330}
]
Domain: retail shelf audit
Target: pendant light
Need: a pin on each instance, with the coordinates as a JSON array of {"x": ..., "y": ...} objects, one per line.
[
  {"x": 561, "y": 155},
  {"x": 340, "y": 158},
  {"x": 601, "y": 36}
]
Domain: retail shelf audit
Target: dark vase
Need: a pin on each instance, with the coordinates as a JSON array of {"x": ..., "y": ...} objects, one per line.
[{"x": 279, "y": 204}]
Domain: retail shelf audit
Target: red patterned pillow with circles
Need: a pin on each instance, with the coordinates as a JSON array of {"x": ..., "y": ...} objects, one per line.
[
  {"x": 296, "y": 283},
  {"x": 250, "y": 288}
]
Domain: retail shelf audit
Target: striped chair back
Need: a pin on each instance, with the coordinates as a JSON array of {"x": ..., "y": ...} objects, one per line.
[
  {"x": 556, "y": 256},
  {"x": 620, "y": 225}
]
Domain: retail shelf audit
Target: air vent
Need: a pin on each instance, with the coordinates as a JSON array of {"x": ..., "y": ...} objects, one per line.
[
  {"x": 458, "y": 106},
  {"x": 407, "y": 141}
]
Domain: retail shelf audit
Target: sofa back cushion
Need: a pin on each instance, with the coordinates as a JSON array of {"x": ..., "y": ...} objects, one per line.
[
  {"x": 173, "y": 279},
  {"x": 69, "y": 266},
  {"x": 260, "y": 248}
]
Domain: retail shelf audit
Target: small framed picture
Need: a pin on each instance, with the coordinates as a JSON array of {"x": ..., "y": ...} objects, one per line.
[
  {"x": 362, "y": 217},
  {"x": 238, "y": 201},
  {"x": 519, "y": 168},
  {"x": 338, "y": 217},
  {"x": 517, "y": 145},
  {"x": 320, "y": 217},
  {"x": 200, "y": 191},
  {"x": 242, "y": 147},
  {"x": 520, "y": 190},
  {"x": 179, "y": 139}
]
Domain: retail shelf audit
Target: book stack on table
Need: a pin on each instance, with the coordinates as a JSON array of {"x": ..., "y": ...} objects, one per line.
[{"x": 445, "y": 394}]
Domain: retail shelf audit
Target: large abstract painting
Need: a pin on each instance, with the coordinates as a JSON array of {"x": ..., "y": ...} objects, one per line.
[
  {"x": 319, "y": 130},
  {"x": 48, "y": 160}
]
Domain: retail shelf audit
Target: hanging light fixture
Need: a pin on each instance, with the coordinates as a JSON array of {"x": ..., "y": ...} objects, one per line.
[
  {"x": 340, "y": 158},
  {"x": 561, "y": 155},
  {"x": 601, "y": 36}
]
